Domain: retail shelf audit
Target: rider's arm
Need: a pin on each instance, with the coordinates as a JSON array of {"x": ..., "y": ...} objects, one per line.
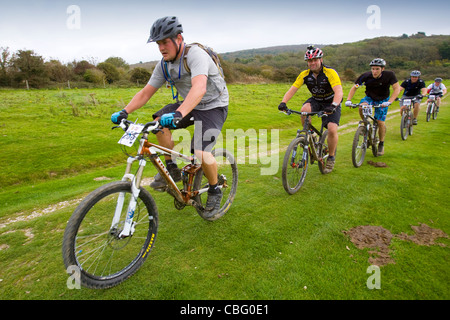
[
  {"x": 140, "y": 98},
  {"x": 195, "y": 94},
  {"x": 351, "y": 93},
  {"x": 338, "y": 94},
  {"x": 396, "y": 92},
  {"x": 288, "y": 96}
]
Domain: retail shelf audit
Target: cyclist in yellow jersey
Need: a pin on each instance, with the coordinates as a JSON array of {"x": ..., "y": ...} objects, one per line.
[{"x": 326, "y": 95}]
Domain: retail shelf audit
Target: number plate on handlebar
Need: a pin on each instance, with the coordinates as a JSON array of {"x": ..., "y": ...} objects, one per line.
[
  {"x": 406, "y": 102},
  {"x": 367, "y": 110},
  {"x": 131, "y": 135}
]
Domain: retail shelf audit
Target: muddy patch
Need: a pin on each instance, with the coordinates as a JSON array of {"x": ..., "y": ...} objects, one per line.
[
  {"x": 424, "y": 235},
  {"x": 378, "y": 240}
]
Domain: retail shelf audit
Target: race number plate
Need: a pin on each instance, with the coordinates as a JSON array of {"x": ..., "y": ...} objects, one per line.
[
  {"x": 407, "y": 102},
  {"x": 367, "y": 110},
  {"x": 131, "y": 135}
]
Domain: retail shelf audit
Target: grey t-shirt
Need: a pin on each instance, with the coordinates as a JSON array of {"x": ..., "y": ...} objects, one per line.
[{"x": 200, "y": 63}]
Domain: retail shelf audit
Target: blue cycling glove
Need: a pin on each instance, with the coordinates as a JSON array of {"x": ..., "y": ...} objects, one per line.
[
  {"x": 117, "y": 117},
  {"x": 170, "y": 120}
]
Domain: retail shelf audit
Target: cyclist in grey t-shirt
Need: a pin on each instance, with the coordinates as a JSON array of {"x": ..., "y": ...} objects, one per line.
[{"x": 205, "y": 102}]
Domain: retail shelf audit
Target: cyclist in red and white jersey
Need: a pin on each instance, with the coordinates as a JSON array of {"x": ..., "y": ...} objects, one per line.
[{"x": 438, "y": 89}]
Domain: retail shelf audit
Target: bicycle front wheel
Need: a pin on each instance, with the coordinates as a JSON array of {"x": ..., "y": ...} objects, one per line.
[
  {"x": 404, "y": 126},
  {"x": 429, "y": 107},
  {"x": 94, "y": 246},
  {"x": 295, "y": 165},
  {"x": 227, "y": 172},
  {"x": 359, "y": 147}
]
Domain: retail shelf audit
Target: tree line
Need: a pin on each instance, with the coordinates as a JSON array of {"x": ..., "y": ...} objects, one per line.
[
  {"x": 26, "y": 66},
  {"x": 429, "y": 54}
]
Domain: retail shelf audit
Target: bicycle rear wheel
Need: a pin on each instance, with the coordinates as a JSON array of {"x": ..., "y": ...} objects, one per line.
[
  {"x": 435, "y": 112},
  {"x": 404, "y": 125},
  {"x": 295, "y": 166},
  {"x": 94, "y": 246},
  {"x": 410, "y": 124},
  {"x": 228, "y": 178},
  {"x": 375, "y": 140},
  {"x": 323, "y": 151},
  {"x": 359, "y": 147}
]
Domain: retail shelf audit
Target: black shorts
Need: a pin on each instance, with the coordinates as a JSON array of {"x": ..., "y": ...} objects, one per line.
[
  {"x": 320, "y": 106},
  {"x": 208, "y": 124}
]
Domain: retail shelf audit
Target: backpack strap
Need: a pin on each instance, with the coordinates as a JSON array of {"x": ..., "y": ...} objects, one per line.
[{"x": 209, "y": 51}]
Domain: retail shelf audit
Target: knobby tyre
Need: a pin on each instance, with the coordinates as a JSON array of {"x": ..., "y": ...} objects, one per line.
[
  {"x": 435, "y": 112},
  {"x": 359, "y": 146},
  {"x": 410, "y": 123},
  {"x": 295, "y": 166},
  {"x": 323, "y": 151},
  {"x": 227, "y": 178},
  {"x": 375, "y": 140},
  {"x": 404, "y": 126},
  {"x": 93, "y": 246},
  {"x": 429, "y": 107}
]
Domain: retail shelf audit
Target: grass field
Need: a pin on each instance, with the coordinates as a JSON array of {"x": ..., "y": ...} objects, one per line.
[{"x": 270, "y": 245}]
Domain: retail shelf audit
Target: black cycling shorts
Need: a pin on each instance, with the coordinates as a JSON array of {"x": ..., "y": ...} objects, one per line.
[
  {"x": 208, "y": 124},
  {"x": 320, "y": 106}
]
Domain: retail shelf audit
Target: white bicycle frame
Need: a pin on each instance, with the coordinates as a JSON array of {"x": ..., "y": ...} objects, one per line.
[{"x": 433, "y": 102}]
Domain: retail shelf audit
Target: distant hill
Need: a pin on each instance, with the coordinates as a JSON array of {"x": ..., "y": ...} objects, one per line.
[
  {"x": 147, "y": 65},
  {"x": 429, "y": 54},
  {"x": 249, "y": 53}
]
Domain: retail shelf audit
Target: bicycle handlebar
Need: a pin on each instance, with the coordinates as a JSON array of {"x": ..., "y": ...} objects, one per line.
[
  {"x": 152, "y": 126},
  {"x": 320, "y": 114},
  {"x": 356, "y": 105}
]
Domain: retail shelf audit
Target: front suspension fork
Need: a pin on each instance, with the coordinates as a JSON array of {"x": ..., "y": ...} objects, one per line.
[{"x": 128, "y": 227}]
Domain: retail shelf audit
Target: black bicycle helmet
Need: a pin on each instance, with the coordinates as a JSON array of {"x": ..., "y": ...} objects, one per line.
[
  {"x": 378, "y": 62},
  {"x": 167, "y": 27}
]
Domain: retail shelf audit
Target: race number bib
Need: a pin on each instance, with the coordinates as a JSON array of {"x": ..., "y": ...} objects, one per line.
[{"x": 131, "y": 135}]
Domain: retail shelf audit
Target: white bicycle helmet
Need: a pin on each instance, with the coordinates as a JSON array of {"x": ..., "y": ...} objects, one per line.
[{"x": 312, "y": 53}]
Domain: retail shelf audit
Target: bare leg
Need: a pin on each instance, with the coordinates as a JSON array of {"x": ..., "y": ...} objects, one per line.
[{"x": 332, "y": 138}]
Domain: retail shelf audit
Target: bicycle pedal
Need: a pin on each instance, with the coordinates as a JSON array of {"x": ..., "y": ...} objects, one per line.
[{"x": 163, "y": 189}]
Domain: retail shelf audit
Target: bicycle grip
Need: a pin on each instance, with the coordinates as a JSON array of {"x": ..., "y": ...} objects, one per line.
[{"x": 177, "y": 120}]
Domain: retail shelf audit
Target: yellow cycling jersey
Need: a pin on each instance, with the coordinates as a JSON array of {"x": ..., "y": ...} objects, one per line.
[{"x": 321, "y": 88}]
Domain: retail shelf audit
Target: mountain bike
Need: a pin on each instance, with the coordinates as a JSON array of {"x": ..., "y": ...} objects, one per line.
[
  {"x": 366, "y": 135},
  {"x": 113, "y": 230},
  {"x": 432, "y": 108},
  {"x": 406, "y": 124},
  {"x": 310, "y": 144}
]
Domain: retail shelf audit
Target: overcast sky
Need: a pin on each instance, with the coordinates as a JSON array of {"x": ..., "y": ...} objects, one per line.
[{"x": 101, "y": 29}]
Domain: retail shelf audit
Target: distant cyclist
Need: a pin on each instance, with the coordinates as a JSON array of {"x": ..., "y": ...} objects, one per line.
[
  {"x": 378, "y": 82},
  {"x": 414, "y": 88},
  {"x": 205, "y": 100},
  {"x": 438, "y": 89},
  {"x": 326, "y": 89}
]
